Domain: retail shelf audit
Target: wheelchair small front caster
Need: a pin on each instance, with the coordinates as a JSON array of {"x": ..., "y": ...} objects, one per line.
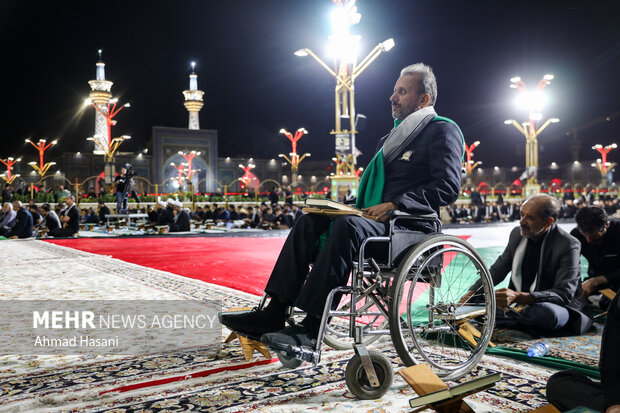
[
  {"x": 358, "y": 382},
  {"x": 288, "y": 361}
]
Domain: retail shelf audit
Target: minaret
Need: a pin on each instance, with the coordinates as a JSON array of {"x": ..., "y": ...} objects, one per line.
[
  {"x": 193, "y": 100},
  {"x": 100, "y": 95}
]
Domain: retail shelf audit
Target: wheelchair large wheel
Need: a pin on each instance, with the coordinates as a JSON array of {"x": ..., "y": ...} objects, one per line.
[
  {"x": 374, "y": 310},
  {"x": 428, "y": 323}
]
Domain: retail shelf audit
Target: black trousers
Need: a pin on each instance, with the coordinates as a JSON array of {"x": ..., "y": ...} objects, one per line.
[
  {"x": 570, "y": 389},
  {"x": 308, "y": 290},
  {"x": 62, "y": 232}
]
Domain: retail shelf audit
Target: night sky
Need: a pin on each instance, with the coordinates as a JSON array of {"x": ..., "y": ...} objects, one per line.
[{"x": 254, "y": 85}]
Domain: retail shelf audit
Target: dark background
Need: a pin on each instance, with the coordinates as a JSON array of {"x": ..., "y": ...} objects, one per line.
[{"x": 254, "y": 85}]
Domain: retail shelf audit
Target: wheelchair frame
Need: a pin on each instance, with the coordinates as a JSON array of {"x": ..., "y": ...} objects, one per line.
[{"x": 369, "y": 374}]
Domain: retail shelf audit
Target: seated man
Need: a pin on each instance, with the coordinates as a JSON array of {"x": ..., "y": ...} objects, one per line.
[
  {"x": 7, "y": 219},
  {"x": 51, "y": 220},
  {"x": 181, "y": 218},
  {"x": 600, "y": 244},
  {"x": 69, "y": 218},
  {"x": 103, "y": 211},
  {"x": 23, "y": 222},
  {"x": 569, "y": 389},
  {"x": 417, "y": 169},
  {"x": 545, "y": 281}
]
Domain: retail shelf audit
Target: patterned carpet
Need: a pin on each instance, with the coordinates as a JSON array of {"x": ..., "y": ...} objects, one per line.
[{"x": 38, "y": 270}]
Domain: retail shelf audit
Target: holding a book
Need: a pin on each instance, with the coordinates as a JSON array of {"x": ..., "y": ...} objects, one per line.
[{"x": 416, "y": 169}]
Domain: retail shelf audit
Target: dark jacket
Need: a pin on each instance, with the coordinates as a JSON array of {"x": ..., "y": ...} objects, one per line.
[
  {"x": 182, "y": 222},
  {"x": 427, "y": 172},
  {"x": 23, "y": 224},
  {"x": 559, "y": 274},
  {"x": 604, "y": 256}
]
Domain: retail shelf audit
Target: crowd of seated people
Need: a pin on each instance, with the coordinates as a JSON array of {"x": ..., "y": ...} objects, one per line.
[{"x": 501, "y": 211}]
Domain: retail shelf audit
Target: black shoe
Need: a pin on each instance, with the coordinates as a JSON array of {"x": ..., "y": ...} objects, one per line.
[
  {"x": 253, "y": 324},
  {"x": 289, "y": 338}
]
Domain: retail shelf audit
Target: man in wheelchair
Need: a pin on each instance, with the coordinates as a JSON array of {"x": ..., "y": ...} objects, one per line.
[{"x": 417, "y": 169}]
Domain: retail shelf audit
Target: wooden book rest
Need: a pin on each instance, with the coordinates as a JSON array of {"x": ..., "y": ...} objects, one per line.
[{"x": 435, "y": 394}]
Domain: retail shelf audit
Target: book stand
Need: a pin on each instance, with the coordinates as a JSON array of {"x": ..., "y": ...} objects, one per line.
[
  {"x": 248, "y": 346},
  {"x": 424, "y": 381}
]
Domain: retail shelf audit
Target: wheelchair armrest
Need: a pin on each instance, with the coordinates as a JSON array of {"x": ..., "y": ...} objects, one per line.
[{"x": 401, "y": 215}]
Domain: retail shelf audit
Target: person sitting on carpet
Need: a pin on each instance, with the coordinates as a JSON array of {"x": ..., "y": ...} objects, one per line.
[
  {"x": 570, "y": 389},
  {"x": 181, "y": 218},
  {"x": 51, "y": 220},
  {"x": 23, "y": 222},
  {"x": 7, "y": 219},
  {"x": 600, "y": 245},
  {"x": 69, "y": 218},
  {"x": 416, "y": 169},
  {"x": 544, "y": 293}
]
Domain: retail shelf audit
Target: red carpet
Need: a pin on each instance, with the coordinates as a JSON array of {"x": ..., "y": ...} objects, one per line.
[{"x": 240, "y": 263}]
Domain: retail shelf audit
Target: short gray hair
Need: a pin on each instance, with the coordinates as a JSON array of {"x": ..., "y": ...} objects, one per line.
[
  {"x": 426, "y": 81},
  {"x": 550, "y": 207},
  {"x": 10, "y": 205}
]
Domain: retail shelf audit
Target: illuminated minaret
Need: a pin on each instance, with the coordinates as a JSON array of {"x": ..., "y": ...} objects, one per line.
[
  {"x": 193, "y": 100},
  {"x": 100, "y": 95}
]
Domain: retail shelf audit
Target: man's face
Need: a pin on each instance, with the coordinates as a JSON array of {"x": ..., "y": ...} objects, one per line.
[
  {"x": 406, "y": 99},
  {"x": 594, "y": 237},
  {"x": 69, "y": 201},
  {"x": 16, "y": 206},
  {"x": 532, "y": 224},
  {"x": 6, "y": 208}
]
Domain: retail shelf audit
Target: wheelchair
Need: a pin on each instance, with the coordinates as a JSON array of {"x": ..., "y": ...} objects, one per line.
[{"x": 412, "y": 294}]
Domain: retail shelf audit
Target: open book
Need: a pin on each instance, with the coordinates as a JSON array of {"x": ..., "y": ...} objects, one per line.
[
  {"x": 332, "y": 208},
  {"x": 457, "y": 392}
]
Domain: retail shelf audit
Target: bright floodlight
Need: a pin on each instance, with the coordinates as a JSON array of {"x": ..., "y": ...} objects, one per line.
[
  {"x": 54, "y": 142},
  {"x": 515, "y": 79},
  {"x": 27, "y": 140},
  {"x": 548, "y": 77},
  {"x": 193, "y": 65},
  {"x": 87, "y": 102},
  {"x": 282, "y": 130},
  {"x": 533, "y": 101},
  {"x": 113, "y": 100},
  {"x": 32, "y": 163},
  {"x": 388, "y": 44},
  {"x": 280, "y": 155},
  {"x": 126, "y": 105},
  {"x": 508, "y": 121},
  {"x": 301, "y": 53},
  {"x": 554, "y": 120}
]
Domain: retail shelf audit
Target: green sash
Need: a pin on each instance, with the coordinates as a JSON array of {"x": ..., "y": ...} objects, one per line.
[{"x": 370, "y": 192}]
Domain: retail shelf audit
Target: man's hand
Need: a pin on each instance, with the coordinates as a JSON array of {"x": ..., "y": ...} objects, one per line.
[
  {"x": 381, "y": 211},
  {"x": 465, "y": 298},
  {"x": 64, "y": 218},
  {"x": 504, "y": 297},
  {"x": 592, "y": 285}
]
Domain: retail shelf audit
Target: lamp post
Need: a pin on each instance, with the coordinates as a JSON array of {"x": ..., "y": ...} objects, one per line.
[
  {"x": 294, "y": 159},
  {"x": 41, "y": 146},
  {"x": 470, "y": 165},
  {"x": 533, "y": 102},
  {"x": 344, "y": 48},
  {"x": 9, "y": 162},
  {"x": 181, "y": 169},
  {"x": 601, "y": 164},
  {"x": 108, "y": 145},
  {"x": 189, "y": 157}
]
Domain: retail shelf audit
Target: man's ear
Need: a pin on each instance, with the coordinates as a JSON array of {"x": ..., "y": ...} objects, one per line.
[
  {"x": 549, "y": 222},
  {"x": 426, "y": 98}
]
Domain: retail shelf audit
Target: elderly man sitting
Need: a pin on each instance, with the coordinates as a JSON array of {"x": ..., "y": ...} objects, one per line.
[
  {"x": 544, "y": 293},
  {"x": 7, "y": 218},
  {"x": 23, "y": 222}
]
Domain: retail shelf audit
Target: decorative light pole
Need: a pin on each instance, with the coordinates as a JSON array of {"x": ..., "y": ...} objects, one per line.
[
  {"x": 41, "y": 146},
  {"x": 108, "y": 145},
  {"x": 182, "y": 170},
  {"x": 294, "y": 159},
  {"x": 469, "y": 164},
  {"x": 344, "y": 48},
  {"x": 533, "y": 102},
  {"x": 9, "y": 162},
  {"x": 193, "y": 100},
  {"x": 601, "y": 164},
  {"x": 248, "y": 178},
  {"x": 189, "y": 157}
]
